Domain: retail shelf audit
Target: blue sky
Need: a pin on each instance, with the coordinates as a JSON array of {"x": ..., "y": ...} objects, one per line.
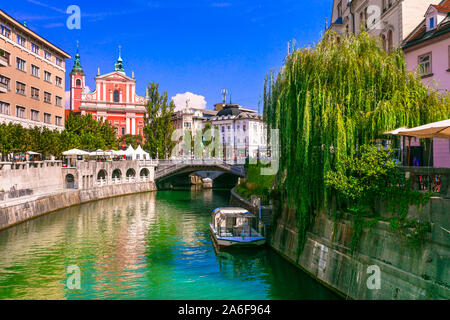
[{"x": 198, "y": 46}]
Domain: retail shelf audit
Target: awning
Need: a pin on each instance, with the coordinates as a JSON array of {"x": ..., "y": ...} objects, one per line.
[{"x": 440, "y": 129}]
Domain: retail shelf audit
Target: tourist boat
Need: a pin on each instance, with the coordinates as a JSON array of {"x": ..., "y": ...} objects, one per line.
[{"x": 236, "y": 227}]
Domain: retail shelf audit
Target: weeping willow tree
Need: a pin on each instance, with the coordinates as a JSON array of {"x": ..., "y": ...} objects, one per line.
[{"x": 328, "y": 101}]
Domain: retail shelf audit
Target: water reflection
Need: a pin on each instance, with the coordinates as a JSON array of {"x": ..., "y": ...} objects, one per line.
[{"x": 146, "y": 246}]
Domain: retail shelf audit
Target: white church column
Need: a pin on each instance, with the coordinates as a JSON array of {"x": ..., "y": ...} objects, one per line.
[
  {"x": 133, "y": 126},
  {"x": 128, "y": 125}
]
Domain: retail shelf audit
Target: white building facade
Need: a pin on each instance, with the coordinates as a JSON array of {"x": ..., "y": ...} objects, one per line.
[{"x": 391, "y": 20}]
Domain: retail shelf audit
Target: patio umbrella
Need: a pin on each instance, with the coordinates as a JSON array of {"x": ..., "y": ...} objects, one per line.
[
  {"x": 440, "y": 129},
  {"x": 75, "y": 152}
]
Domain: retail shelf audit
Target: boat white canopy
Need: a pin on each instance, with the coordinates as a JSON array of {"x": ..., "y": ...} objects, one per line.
[{"x": 232, "y": 212}]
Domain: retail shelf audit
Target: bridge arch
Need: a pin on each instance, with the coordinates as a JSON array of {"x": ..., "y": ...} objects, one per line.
[
  {"x": 102, "y": 175},
  {"x": 117, "y": 174},
  {"x": 145, "y": 173}
]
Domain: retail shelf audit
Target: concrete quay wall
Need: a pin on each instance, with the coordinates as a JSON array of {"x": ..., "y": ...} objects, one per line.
[{"x": 405, "y": 273}]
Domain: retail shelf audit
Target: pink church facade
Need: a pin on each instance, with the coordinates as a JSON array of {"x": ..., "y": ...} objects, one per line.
[{"x": 114, "y": 99}]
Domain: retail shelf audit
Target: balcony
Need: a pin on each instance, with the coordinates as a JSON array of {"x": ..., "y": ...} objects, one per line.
[{"x": 3, "y": 61}]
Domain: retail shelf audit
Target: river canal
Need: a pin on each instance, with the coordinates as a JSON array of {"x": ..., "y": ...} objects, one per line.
[{"x": 145, "y": 246}]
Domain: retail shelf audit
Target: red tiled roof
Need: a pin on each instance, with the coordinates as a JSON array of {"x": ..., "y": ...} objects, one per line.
[{"x": 443, "y": 7}]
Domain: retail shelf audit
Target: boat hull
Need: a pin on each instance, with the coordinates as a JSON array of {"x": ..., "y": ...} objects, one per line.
[{"x": 222, "y": 242}]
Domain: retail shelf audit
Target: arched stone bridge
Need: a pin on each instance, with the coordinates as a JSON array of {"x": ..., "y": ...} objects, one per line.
[{"x": 169, "y": 168}]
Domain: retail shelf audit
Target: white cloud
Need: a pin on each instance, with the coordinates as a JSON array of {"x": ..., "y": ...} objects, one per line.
[{"x": 195, "y": 101}]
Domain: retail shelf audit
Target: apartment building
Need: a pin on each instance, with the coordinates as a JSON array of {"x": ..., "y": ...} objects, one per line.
[
  {"x": 391, "y": 20},
  {"x": 427, "y": 49},
  {"x": 32, "y": 78}
]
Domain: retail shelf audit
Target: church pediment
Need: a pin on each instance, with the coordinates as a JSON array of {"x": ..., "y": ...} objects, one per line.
[{"x": 115, "y": 76}]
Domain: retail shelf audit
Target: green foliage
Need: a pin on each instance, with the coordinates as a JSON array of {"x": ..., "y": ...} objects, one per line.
[
  {"x": 256, "y": 185},
  {"x": 82, "y": 132},
  {"x": 91, "y": 134},
  {"x": 158, "y": 130},
  {"x": 370, "y": 178},
  {"x": 129, "y": 139},
  {"x": 330, "y": 99}
]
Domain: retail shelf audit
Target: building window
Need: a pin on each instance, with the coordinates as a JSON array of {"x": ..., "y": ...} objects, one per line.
[
  {"x": 58, "y": 81},
  {"x": 34, "y": 115},
  {"x": 34, "y": 70},
  {"x": 123, "y": 131},
  {"x": 21, "y": 64},
  {"x": 425, "y": 64},
  {"x": 5, "y": 108},
  {"x": 432, "y": 23},
  {"x": 6, "y": 56},
  {"x": 47, "y": 55},
  {"x": 47, "y": 97},
  {"x": 20, "y": 112},
  {"x": 383, "y": 42},
  {"x": 5, "y": 82},
  {"x": 20, "y": 88},
  {"x": 116, "y": 96},
  {"x": 448, "y": 58},
  {"x": 58, "y": 121},
  {"x": 78, "y": 83},
  {"x": 5, "y": 31},
  {"x": 339, "y": 9},
  {"x": 35, "y": 48},
  {"x": 244, "y": 128},
  {"x": 58, "y": 101},
  {"x": 390, "y": 40},
  {"x": 48, "y": 118},
  {"x": 47, "y": 76},
  {"x": 59, "y": 62},
  {"x": 21, "y": 40},
  {"x": 35, "y": 93}
]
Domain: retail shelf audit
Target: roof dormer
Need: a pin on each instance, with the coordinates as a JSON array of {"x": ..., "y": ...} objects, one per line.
[
  {"x": 436, "y": 14},
  {"x": 431, "y": 18}
]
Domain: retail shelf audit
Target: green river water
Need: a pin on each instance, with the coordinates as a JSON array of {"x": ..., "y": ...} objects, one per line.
[{"x": 145, "y": 246}]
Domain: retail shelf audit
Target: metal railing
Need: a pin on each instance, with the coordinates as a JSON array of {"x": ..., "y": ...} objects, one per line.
[{"x": 436, "y": 180}]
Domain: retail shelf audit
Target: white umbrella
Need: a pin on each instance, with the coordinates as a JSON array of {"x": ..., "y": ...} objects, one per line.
[
  {"x": 75, "y": 152},
  {"x": 440, "y": 129},
  {"x": 118, "y": 153},
  {"x": 100, "y": 153}
]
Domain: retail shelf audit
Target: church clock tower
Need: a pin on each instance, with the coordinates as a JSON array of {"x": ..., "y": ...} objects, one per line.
[{"x": 77, "y": 85}]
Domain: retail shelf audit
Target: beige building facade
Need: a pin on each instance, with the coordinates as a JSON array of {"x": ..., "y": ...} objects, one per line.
[
  {"x": 391, "y": 20},
  {"x": 32, "y": 77}
]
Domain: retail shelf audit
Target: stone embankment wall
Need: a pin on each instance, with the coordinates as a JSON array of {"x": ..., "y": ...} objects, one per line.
[
  {"x": 45, "y": 175},
  {"x": 406, "y": 273},
  {"x": 18, "y": 213},
  {"x": 266, "y": 211}
]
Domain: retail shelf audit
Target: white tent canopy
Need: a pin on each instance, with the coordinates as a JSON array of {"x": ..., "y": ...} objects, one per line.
[
  {"x": 440, "y": 129},
  {"x": 75, "y": 152},
  {"x": 142, "y": 154}
]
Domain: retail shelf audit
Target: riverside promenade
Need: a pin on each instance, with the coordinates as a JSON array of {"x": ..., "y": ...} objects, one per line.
[{"x": 31, "y": 189}]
